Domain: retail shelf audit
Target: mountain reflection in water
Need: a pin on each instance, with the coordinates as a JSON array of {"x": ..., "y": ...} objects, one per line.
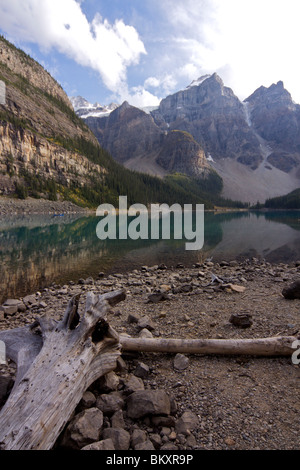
[{"x": 38, "y": 250}]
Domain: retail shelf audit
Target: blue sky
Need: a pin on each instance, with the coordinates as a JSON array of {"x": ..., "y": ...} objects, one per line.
[{"x": 143, "y": 50}]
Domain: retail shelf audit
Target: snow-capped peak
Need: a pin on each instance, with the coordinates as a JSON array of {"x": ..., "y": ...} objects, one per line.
[
  {"x": 84, "y": 109},
  {"x": 199, "y": 81},
  {"x": 78, "y": 102}
]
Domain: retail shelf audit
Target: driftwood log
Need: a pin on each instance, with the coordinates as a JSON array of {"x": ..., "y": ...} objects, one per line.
[
  {"x": 58, "y": 361},
  {"x": 277, "y": 346}
]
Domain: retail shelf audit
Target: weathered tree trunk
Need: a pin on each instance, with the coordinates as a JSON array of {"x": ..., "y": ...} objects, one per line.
[
  {"x": 70, "y": 356},
  {"x": 277, "y": 346}
]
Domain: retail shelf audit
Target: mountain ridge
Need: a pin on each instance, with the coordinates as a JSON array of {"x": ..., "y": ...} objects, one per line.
[{"x": 257, "y": 153}]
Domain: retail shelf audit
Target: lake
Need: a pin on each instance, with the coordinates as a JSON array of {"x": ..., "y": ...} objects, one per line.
[{"x": 36, "y": 250}]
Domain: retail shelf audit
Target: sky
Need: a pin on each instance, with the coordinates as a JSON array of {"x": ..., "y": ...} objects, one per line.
[{"x": 143, "y": 50}]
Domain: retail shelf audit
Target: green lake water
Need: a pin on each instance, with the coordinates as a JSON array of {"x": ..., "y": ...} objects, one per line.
[{"x": 38, "y": 250}]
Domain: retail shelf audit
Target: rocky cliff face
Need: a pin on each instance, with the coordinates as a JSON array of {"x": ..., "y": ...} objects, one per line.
[
  {"x": 39, "y": 131},
  {"x": 181, "y": 153},
  {"x": 276, "y": 118},
  {"x": 22, "y": 150},
  {"x": 215, "y": 117},
  {"x": 23, "y": 65}
]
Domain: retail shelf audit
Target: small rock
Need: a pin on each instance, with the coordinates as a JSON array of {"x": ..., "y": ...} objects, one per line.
[
  {"x": 42, "y": 304},
  {"x": 138, "y": 437},
  {"x": 108, "y": 383},
  {"x": 165, "y": 431},
  {"x": 236, "y": 288},
  {"x": 11, "y": 302},
  {"x": 162, "y": 267},
  {"x": 233, "y": 263},
  {"x": 181, "y": 362},
  {"x": 148, "y": 402},
  {"x": 120, "y": 437},
  {"x": 133, "y": 384},
  {"x": 117, "y": 420},
  {"x": 147, "y": 445},
  {"x": 158, "y": 297},
  {"x": 156, "y": 440},
  {"x": 145, "y": 333},
  {"x": 229, "y": 441},
  {"x": 121, "y": 366},
  {"x": 142, "y": 370},
  {"x": 106, "y": 444},
  {"x": 163, "y": 421},
  {"x": 169, "y": 446},
  {"x": 187, "y": 423},
  {"x": 165, "y": 288},
  {"x": 88, "y": 400},
  {"x": 132, "y": 318},
  {"x": 201, "y": 274},
  {"x": 241, "y": 320},
  {"x": 10, "y": 309},
  {"x": 145, "y": 322},
  {"x": 191, "y": 441}
]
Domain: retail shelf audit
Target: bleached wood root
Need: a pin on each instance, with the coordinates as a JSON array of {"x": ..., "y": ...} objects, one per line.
[{"x": 71, "y": 357}]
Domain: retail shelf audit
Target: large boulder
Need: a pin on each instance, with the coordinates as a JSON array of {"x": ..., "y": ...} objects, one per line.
[
  {"x": 84, "y": 429},
  {"x": 110, "y": 403},
  {"x": 148, "y": 402},
  {"x": 119, "y": 437},
  {"x": 292, "y": 292}
]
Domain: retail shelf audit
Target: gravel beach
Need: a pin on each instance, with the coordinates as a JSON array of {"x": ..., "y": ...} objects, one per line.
[
  {"x": 239, "y": 403},
  {"x": 10, "y": 206}
]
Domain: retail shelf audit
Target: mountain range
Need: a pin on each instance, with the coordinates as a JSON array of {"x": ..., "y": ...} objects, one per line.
[
  {"x": 254, "y": 145},
  {"x": 47, "y": 151},
  {"x": 200, "y": 145}
]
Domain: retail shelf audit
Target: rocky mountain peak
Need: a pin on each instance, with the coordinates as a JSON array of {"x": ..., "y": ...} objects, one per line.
[
  {"x": 79, "y": 102},
  {"x": 275, "y": 95}
]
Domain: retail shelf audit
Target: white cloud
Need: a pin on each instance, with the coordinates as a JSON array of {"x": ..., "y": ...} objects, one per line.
[
  {"x": 140, "y": 97},
  {"x": 152, "y": 82},
  {"x": 249, "y": 43},
  {"x": 107, "y": 48}
]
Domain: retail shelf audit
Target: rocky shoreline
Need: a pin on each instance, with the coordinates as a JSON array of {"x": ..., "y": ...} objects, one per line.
[
  {"x": 11, "y": 206},
  {"x": 184, "y": 402}
]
